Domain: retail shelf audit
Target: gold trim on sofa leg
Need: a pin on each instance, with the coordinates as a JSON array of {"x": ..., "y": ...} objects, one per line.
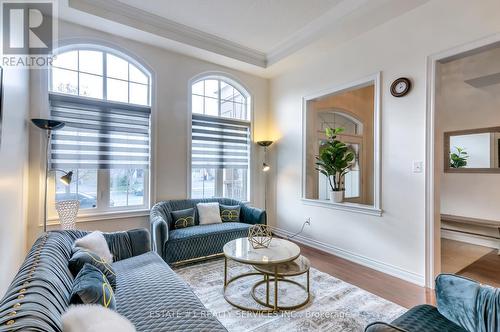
[{"x": 197, "y": 259}]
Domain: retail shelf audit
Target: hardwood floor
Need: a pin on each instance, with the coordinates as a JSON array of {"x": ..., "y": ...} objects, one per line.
[
  {"x": 472, "y": 261},
  {"x": 391, "y": 288}
]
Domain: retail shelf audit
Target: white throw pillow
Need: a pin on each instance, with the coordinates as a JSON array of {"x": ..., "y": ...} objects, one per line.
[
  {"x": 96, "y": 243},
  {"x": 208, "y": 213},
  {"x": 94, "y": 318}
]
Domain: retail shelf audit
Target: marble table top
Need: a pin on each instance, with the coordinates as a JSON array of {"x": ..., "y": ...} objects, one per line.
[{"x": 279, "y": 251}]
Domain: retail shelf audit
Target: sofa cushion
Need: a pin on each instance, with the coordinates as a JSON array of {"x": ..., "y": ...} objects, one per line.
[
  {"x": 206, "y": 230},
  {"x": 208, "y": 213},
  {"x": 200, "y": 241},
  {"x": 81, "y": 257},
  {"x": 92, "y": 287},
  {"x": 426, "y": 318},
  {"x": 230, "y": 212},
  {"x": 95, "y": 242},
  {"x": 94, "y": 317},
  {"x": 166, "y": 301},
  {"x": 183, "y": 218}
]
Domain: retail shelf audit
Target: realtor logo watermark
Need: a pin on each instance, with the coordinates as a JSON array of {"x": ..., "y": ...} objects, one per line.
[{"x": 28, "y": 33}]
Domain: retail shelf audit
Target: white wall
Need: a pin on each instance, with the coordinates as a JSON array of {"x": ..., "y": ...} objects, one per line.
[
  {"x": 394, "y": 242},
  {"x": 460, "y": 106},
  {"x": 13, "y": 173},
  {"x": 172, "y": 73}
]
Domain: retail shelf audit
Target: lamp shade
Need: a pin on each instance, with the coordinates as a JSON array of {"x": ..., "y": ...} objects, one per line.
[
  {"x": 66, "y": 178},
  {"x": 265, "y": 143},
  {"x": 46, "y": 124}
]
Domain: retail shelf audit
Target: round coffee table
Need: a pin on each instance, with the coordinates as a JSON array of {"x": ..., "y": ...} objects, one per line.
[{"x": 281, "y": 259}]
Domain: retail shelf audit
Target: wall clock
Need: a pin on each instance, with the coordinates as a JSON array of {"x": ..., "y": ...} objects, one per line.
[{"x": 400, "y": 87}]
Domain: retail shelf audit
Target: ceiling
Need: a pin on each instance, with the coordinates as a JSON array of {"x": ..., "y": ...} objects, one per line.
[
  {"x": 260, "y": 25},
  {"x": 255, "y": 36}
]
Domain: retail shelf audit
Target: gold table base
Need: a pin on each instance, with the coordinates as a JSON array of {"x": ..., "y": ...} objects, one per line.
[{"x": 276, "y": 279}]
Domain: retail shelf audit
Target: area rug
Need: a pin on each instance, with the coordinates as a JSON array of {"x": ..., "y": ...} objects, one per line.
[{"x": 335, "y": 305}]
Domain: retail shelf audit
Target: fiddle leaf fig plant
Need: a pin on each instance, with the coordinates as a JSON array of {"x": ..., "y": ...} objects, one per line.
[
  {"x": 459, "y": 158},
  {"x": 335, "y": 159}
]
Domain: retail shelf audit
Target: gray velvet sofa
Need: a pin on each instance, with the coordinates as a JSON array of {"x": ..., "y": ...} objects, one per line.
[
  {"x": 463, "y": 305},
  {"x": 199, "y": 241},
  {"x": 146, "y": 287}
]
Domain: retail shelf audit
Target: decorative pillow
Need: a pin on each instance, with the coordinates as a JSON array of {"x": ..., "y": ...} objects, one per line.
[
  {"x": 208, "y": 213},
  {"x": 82, "y": 256},
  {"x": 92, "y": 317},
  {"x": 183, "y": 218},
  {"x": 230, "y": 212},
  {"x": 92, "y": 287},
  {"x": 96, "y": 242}
]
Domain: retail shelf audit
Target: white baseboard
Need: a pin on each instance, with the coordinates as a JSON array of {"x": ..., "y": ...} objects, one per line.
[
  {"x": 359, "y": 259},
  {"x": 470, "y": 238}
]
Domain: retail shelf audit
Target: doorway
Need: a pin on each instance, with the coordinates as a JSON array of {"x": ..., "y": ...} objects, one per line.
[{"x": 463, "y": 126}]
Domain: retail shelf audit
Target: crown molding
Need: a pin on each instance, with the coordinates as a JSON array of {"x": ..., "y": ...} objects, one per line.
[
  {"x": 313, "y": 30},
  {"x": 209, "y": 45},
  {"x": 139, "y": 19}
]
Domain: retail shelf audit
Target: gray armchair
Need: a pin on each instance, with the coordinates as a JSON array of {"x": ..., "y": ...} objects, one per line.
[
  {"x": 199, "y": 241},
  {"x": 463, "y": 305}
]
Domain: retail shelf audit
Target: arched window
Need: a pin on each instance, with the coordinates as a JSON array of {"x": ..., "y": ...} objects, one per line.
[
  {"x": 104, "y": 98},
  {"x": 220, "y": 139},
  {"x": 100, "y": 73}
]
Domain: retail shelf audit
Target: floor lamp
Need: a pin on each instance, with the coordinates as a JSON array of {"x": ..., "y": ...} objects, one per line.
[
  {"x": 49, "y": 126},
  {"x": 265, "y": 167}
]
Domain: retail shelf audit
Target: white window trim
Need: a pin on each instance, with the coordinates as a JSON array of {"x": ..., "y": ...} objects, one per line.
[
  {"x": 230, "y": 79},
  {"x": 374, "y": 209},
  {"x": 96, "y": 214}
]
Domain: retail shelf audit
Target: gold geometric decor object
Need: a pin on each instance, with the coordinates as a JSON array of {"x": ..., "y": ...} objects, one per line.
[
  {"x": 68, "y": 211},
  {"x": 260, "y": 236}
]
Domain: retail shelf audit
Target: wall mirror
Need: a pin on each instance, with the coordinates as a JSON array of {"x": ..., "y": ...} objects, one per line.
[
  {"x": 472, "y": 151},
  {"x": 353, "y": 108}
]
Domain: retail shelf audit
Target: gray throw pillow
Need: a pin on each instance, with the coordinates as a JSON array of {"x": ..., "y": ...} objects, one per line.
[
  {"x": 230, "y": 212},
  {"x": 91, "y": 287},
  {"x": 82, "y": 256},
  {"x": 183, "y": 218}
]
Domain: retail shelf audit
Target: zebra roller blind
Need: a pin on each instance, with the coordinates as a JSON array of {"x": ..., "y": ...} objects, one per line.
[
  {"x": 99, "y": 134},
  {"x": 220, "y": 142}
]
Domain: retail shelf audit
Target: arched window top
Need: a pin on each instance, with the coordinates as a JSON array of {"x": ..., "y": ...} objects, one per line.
[
  {"x": 220, "y": 96},
  {"x": 102, "y": 73},
  {"x": 339, "y": 118}
]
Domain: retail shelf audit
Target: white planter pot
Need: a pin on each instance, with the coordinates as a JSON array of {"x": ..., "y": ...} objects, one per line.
[{"x": 337, "y": 196}]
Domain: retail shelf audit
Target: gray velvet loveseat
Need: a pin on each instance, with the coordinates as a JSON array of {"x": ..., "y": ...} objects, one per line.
[
  {"x": 199, "y": 241},
  {"x": 146, "y": 287}
]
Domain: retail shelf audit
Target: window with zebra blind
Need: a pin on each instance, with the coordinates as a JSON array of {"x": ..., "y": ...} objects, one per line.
[
  {"x": 103, "y": 96},
  {"x": 220, "y": 139}
]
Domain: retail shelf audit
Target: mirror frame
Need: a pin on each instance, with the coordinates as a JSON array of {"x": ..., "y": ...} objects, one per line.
[{"x": 448, "y": 134}]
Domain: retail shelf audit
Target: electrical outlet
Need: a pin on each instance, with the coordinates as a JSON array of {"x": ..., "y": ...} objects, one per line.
[{"x": 308, "y": 221}]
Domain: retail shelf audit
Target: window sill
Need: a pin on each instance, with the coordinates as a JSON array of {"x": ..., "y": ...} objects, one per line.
[
  {"x": 98, "y": 216},
  {"x": 345, "y": 206}
]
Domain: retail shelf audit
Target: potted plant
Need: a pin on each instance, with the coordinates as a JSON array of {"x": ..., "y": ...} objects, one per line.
[
  {"x": 334, "y": 161},
  {"x": 458, "y": 159}
]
